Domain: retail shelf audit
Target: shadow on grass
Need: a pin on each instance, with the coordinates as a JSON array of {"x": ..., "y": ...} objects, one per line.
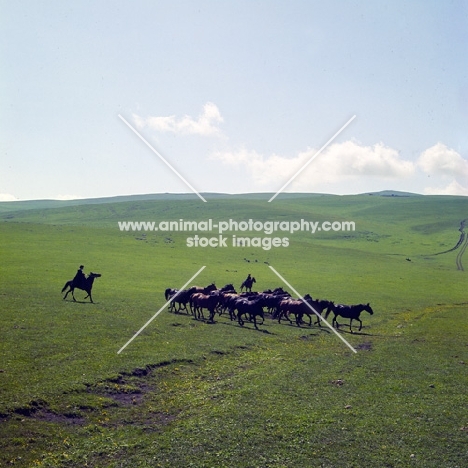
[
  {"x": 356, "y": 333},
  {"x": 80, "y": 302},
  {"x": 234, "y": 323}
]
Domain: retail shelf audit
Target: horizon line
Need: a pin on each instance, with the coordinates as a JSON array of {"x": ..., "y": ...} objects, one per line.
[{"x": 191, "y": 194}]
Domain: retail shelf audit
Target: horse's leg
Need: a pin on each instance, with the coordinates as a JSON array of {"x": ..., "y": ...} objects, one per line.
[
  {"x": 280, "y": 313},
  {"x": 212, "y": 314},
  {"x": 360, "y": 322},
  {"x": 89, "y": 295},
  {"x": 232, "y": 313},
  {"x": 298, "y": 319},
  {"x": 239, "y": 318},
  {"x": 350, "y": 322},
  {"x": 255, "y": 320},
  {"x": 73, "y": 294}
]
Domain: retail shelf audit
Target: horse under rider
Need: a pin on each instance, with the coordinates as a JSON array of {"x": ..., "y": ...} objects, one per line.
[{"x": 80, "y": 277}]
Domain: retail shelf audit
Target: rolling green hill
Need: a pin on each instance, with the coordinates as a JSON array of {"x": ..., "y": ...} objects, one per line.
[{"x": 187, "y": 393}]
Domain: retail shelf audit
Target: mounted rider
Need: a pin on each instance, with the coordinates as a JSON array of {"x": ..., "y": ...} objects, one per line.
[{"x": 80, "y": 278}]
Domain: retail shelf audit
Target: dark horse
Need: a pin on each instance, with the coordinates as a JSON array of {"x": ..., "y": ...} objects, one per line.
[
  {"x": 348, "y": 311},
  {"x": 178, "y": 300},
  {"x": 250, "y": 308},
  {"x": 247, "y": 284},
  {"x": 86, "y": 285}
]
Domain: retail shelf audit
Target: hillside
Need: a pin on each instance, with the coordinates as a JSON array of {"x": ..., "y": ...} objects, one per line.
[{"x": 223, "y": 394}]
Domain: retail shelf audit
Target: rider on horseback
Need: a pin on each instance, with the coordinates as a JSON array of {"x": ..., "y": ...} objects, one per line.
[{"x": 79, "y": 278}]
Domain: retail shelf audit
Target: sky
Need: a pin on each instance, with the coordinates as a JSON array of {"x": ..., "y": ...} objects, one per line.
[{"x": 236, "y": 96}]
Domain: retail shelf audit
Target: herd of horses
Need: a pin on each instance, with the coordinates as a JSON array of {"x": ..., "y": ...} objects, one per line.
[
  {"x": 246, "y": 305},
  {"x": 252, "y": 306}
]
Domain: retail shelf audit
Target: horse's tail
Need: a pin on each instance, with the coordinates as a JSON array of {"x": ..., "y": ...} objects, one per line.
[
  {"x": 329, "y": 309},
  {"x": 67, "y": 284},
  {"x": 166, "y": 293}
]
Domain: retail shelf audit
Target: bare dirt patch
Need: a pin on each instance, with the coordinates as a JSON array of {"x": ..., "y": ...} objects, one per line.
[{"x": 366, "y": 346}]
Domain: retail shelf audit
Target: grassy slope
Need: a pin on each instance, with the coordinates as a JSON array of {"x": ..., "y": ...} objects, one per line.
[{"x": 245, "y": 398}]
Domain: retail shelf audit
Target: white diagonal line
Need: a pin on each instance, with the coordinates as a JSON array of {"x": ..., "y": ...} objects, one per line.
[
  {"x": 312, "y": 158},
  {"x": 313, "y": 310},
  {"x": 162, "y": 158},
  {"x": 160, "y": 310}
]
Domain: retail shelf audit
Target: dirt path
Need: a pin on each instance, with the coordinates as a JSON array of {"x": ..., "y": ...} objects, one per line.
[{"x": 461, "y": 244}]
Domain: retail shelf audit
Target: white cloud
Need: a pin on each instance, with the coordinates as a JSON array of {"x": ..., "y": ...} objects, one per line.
[
  {"x": 341, "y": 161},
  {"x": 441, "y": 160},
  {"x": 7, "y": 197},
  {"x": 454, "y": 188},
  {"x": 445, "y": 164},
  {"x": 205, "y": 125}
]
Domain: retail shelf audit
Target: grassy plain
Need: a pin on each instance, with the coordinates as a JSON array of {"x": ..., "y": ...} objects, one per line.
[{"x": 185, "y": 393}]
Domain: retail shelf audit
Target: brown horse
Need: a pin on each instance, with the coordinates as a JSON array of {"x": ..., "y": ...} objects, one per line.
[
  {"x": 299, "y": 308},
  {"x": 178, "y": 300},
  {"x": 291, "y": 306},
  {"x": 199, "y": 301}
]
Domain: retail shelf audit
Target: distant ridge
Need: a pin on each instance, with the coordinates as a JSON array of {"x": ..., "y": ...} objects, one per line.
[
  {"x": 20, "y": 205},
  {"x": 394, "y": 193}
]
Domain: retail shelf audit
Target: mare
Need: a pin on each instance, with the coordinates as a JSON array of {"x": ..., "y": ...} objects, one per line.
[
  {"x": 297, "y": 307},
  {"x": 319, "y": 306},
  {"x": 252, "y": 308},
  {"x": 198, "y": 301},
  {"x": 348, "y": 311},
  {"x": 181, "y": 298},
  {"x": 85, "y": 285},
  {"x": 199, "y": 289}
]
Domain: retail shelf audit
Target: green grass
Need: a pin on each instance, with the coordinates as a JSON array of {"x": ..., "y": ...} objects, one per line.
[{"x": 185, "y": 393}]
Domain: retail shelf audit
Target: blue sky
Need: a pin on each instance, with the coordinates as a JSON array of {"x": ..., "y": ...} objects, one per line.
[{"x": 236, "y": 95}]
